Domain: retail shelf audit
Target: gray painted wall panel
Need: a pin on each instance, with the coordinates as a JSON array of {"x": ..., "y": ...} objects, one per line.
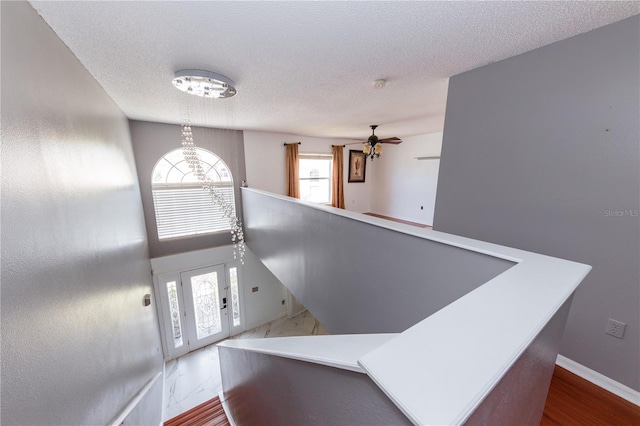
[
  {"x": 269, "y": 390},
  {"x": 520, "y": 396},
  {"x": 77, "y": 342},
  {"x": 148, "y": 404},
  {"x": 153, "y": 140},
  {"x": 537, "y": 148},
  {"x": 356, "y": 277}
]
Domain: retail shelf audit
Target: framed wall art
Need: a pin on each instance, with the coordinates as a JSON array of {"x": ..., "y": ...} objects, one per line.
[{"x": 357, "y": 166}]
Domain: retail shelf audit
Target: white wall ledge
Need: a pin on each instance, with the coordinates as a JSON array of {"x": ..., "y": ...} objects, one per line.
[
  {"x": 338, "y": 351},
  {"x": 501, "y": 252},
  {"x": 442, "y": 368}
]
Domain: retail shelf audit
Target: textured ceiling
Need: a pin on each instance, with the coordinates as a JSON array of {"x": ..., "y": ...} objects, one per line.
[{"x": 307, "y": 67}]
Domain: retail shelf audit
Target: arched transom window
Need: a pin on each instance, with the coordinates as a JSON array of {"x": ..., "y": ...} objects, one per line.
[{"x": 182, "y": 207}]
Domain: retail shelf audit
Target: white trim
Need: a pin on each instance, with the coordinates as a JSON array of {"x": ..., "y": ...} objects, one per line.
[
  {"x": 600, "y": 380},
  {"x": 295, "y": 314},
  {"x": 315, "y": 155},
  {"x": 262, "y": 322},
  {"x": 248, "y": 327},
  {"x": 225, "y": 407},
  {"x": 337, "y": 351},
  {"x": 192, "y": 260},
  {"x": 494, "y": 250},
  {"x": 164, "y": 380},
  {"x": 239, "y": 275},
  {"x": 134, "y": 402}
]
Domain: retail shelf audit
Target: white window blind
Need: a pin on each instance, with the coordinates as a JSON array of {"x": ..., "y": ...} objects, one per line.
[{"x": 182, "y": 207}]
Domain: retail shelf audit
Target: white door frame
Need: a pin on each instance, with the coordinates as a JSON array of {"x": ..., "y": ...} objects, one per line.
[
  {"x": 164, "y": 312},
  {"x": 233, "y": 330}
]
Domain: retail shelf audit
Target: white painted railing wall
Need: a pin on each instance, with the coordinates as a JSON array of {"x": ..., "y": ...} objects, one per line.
[{"x": 479, "y": 324}]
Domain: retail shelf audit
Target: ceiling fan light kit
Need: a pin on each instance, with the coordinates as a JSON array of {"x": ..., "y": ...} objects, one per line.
[
  {"x": 372, "y": 150},
  {"x": 206, "y": 84},
  {"x": 373, "y": 146}
]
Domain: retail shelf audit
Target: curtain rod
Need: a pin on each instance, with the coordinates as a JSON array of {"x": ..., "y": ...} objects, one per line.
[
  {"x": 338, "y": 145},
  {"x": 292, "y": 143}
]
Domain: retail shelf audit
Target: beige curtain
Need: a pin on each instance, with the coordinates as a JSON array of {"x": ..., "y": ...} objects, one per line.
[
  {"x": 337, "y": 180},
  {"x": 293, "y": 173}
]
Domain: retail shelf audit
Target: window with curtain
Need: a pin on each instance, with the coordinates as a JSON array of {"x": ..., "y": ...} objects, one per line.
[
  {"x": 181, "y": 206},
  {"x": 315, "y": 177}
]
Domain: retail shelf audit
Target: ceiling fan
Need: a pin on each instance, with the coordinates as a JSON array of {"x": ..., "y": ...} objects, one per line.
[{"x": 373, "y": 147}]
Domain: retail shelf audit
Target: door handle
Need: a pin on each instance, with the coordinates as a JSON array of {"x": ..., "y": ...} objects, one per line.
[{"x": 224, "y": 303}]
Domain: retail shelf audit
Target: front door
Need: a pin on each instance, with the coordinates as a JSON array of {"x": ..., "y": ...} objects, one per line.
[
  {"x": 205, "y": 302},
  {"x": 195, "y": 307}
]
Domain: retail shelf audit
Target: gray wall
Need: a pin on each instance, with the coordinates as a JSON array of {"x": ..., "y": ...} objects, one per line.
[
  {"x": 520, "y": 396},
  {"x": 269, "y": 390},
  {"x": 77, "y": 342},
  {"x": 153, "y": 140},
  {"x": 537, "y": 148},
  {"x": 356, "y": 277}
]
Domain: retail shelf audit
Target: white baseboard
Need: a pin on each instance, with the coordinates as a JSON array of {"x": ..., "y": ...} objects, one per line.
[
  {"x": 225, "y": 407},
  {"x": 297, "y": 313},
  {"x": 266, "y": 320},
  {"x": 600, "y": 380}
]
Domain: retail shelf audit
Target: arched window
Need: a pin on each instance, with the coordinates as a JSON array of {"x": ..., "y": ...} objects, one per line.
[{"x": 182, "y": 207}]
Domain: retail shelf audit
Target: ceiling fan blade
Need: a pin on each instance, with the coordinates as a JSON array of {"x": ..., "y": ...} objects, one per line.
[
  {"x": 355, "y": 143},
  {"x": 393, "y": 140}
]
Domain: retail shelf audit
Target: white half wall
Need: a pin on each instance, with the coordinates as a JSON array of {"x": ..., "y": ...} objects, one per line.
[
  {"x": 405, "y": 188},
  {"x": 265, "y": 165}
]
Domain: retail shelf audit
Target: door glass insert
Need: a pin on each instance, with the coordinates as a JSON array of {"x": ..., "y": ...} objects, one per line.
[
  {"x": 174, "y": 309},
  {"x": 235, "y": 297},
  {"x": 199, "y": 307},
  {"x": 206, "y": 304}
]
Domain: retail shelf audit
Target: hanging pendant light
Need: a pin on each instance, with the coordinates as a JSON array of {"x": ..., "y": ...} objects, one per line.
[{"x": 209, "y": 85}]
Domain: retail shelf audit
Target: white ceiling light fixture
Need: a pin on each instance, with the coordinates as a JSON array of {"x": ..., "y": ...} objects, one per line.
[
  {"x": 379, "y": 84},
  {"x": 206, "y": 84}
]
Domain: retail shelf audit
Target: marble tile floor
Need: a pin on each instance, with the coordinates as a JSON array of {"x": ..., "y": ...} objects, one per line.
[{"x": 195, "y": 377}]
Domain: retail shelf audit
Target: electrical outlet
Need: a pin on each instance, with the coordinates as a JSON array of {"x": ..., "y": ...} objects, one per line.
[{"x": 615, "y": 328}]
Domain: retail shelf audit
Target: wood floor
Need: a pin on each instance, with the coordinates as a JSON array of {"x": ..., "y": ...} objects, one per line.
[
  {"x": 208, "y": 413},
  {"x": 572, "y": 401}
]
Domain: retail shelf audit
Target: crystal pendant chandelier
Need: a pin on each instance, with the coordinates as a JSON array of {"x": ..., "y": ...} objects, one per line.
[
  {"x": 206, "y": 84},
  {"x": 209, "y": 85}
]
